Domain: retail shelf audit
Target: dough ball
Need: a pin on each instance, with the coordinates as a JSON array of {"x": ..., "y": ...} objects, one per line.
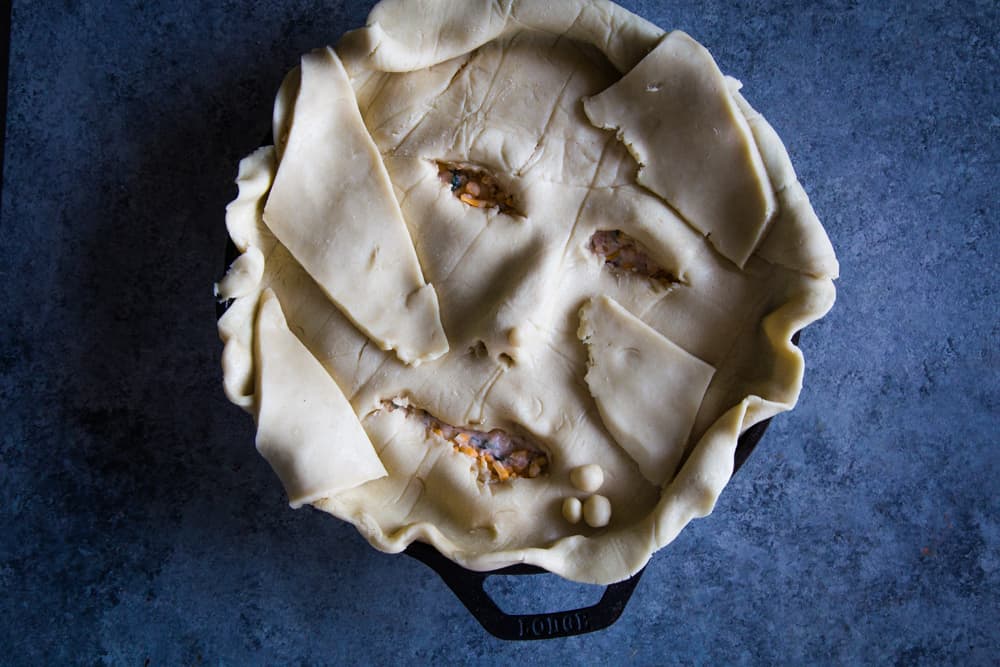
[
  {"x": 572, "y": 509},
  {"x": 597, "y": 511},
  {"x": 587, "y": 478}
]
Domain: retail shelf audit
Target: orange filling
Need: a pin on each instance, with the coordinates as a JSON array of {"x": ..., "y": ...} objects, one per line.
[{"x": 499, "y": 456}]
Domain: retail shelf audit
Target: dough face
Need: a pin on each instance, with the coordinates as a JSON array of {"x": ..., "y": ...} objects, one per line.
[{"x": 457, "y": 230}]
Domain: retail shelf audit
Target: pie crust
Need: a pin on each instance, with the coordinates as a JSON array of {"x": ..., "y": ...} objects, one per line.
[{"x": 513, "y": 279}]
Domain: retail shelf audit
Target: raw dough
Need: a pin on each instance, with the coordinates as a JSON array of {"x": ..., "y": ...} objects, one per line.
[
  {"x": 597, "y": 511},
  {"x": 360, "y": 262},
  {"x": 588, "y": 478},
  {"x": 674, "y": 112},
  {"x": 305, "y": 427},
  {"x": 331, "y": 205},
  {"x": 651, "y": 420},
  {"x": 572, "y": 509}
]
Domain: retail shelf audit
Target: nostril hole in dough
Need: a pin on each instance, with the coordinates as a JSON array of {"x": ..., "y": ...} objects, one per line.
[
  {"x": 480, "y": 351},
  {"x": 623, "y": 254},
  {"x": 476, "y": 187}
]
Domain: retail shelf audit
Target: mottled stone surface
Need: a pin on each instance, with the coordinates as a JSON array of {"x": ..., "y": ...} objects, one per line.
[{"x": 139, "y": 526}]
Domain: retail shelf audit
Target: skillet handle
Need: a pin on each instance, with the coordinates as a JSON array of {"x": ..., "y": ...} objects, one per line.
[{"x": 469, "y": 588}]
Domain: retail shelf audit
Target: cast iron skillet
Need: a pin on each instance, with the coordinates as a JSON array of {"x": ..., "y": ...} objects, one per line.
[{"x": 469, "y": 586}]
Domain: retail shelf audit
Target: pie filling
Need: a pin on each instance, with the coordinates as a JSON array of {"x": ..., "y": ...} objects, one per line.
[
  {"x": 500, "y": 456},
  {"x": 624, "y": 254},
  {"x": 476, "y": 187}
]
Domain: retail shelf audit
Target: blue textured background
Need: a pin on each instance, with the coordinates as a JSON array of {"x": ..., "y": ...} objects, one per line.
[{"x": 138, "y": 525}]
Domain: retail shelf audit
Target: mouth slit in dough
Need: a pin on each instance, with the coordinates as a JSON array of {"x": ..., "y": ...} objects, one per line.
[{"x": 500, "y": 456}]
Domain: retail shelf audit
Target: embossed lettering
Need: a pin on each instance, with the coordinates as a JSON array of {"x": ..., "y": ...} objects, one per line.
[{"x": 553, "y": 624}]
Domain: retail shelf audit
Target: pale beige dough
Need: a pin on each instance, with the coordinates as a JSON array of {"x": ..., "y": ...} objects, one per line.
[
  {"x": 377, "y": 267},
  {"x": 305, "y": 427},
  {"x": 651, "y": 420},
  {"x": 587, "y": 478},
  {"x": 572, "y": 510},
  {"x": 332, "y": 206},
  {"x": 667, "y": 110},
  {"x": 597, "y": 511}
]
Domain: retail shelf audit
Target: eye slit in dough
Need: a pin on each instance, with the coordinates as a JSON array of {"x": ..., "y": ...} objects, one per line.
[
  {"x": 476, "y": 187},
  {"x": 625, "y": 255},
  {"x": 500, "y": 456}
]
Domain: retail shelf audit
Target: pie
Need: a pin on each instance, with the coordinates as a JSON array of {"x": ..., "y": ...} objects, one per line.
[{"x": 513, "y": 279}]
